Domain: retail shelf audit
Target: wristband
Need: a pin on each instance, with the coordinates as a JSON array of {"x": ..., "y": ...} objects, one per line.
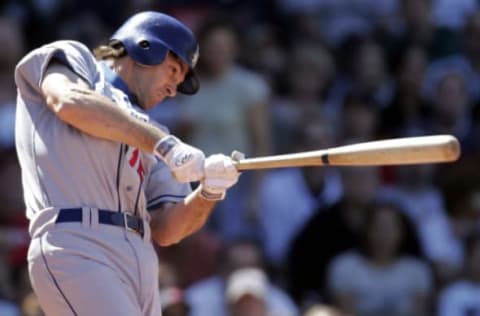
[
  {"x": 165, "y": 145},
  {"x": 209, "y": 196}
]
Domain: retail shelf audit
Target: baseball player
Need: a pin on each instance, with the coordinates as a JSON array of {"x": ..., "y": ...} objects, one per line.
[{"x": 101, "y": 180}]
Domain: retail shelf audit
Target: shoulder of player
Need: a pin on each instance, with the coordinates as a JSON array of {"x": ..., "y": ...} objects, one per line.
[
  {"x": 70, "y": 44},
  {"x": 64, "y": 45},
  {"x": 70, "y": 49}
]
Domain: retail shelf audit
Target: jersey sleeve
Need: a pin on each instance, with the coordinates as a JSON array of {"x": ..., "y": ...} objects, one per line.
[
  {"x": 161, "y": 187},
  {"x": 30, "y": 70}
]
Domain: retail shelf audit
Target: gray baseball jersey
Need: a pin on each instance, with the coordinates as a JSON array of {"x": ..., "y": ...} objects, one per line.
[{"x": 65, "y": 168}]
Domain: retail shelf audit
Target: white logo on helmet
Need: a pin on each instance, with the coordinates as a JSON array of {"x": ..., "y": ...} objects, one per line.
[{"x": 195, "y": 57}]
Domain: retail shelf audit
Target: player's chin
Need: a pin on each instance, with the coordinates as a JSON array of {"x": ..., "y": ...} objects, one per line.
[{"x": 152, "y": 102}]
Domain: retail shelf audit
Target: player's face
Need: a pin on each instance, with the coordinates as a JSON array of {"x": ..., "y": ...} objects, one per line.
[{"x": 154, "y": 83}]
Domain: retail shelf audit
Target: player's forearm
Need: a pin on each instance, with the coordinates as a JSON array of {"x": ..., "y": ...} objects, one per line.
[
  {"x": 98, "y": 116},
  {"x": 172, "y": 224}
]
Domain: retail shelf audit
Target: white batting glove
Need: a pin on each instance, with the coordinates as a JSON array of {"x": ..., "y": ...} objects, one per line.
[
  {"x": 186, "y": 162},
  {"x": 220, "y": 174}
]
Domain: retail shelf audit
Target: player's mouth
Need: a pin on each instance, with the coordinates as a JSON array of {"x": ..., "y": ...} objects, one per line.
[{"x": 170, "y": 89}]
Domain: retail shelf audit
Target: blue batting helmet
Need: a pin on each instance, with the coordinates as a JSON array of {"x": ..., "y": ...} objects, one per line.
[{"x": 148, "y": 36}]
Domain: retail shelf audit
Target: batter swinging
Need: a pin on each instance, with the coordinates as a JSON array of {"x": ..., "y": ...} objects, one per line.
[{"x": 101, "y": 180}]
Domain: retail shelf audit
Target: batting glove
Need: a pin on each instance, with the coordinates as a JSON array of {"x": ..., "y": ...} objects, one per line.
[
  {"x": 185, "y": 162},
  {"x": 220, "y": 174}
]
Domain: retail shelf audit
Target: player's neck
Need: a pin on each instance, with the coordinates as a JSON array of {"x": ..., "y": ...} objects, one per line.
[
  {"x": 123, "y": 68},
  {"x": 120, "y": 68}
]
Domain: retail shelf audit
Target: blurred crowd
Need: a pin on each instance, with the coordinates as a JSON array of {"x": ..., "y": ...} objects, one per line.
[{"x": 281, "y": 76}]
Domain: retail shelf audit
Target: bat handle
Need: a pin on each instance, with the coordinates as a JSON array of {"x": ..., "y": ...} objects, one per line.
[{"x": 237, "y": 155}]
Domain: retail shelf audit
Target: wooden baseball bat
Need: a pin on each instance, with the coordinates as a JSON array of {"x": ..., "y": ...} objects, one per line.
[{"x": 397, "y": 151}]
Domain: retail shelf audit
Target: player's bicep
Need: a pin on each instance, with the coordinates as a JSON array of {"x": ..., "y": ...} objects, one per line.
[{"x": 58, "y": 83}]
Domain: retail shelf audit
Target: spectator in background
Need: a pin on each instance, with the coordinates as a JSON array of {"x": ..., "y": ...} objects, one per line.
[
  {"x": 85, "y": 27},
  {"x": 240, "y": 123},
  {"x": 246, "y": 291},
  {"x": 418, "y": 21},
  {"x": 13, "y": 226},
  {"x": 461, "y": 298},
  {"x": 11, "y": 33},
  {"x": 359, "y": 119},
  {"x": 11, "y": 197},
  {"x": 307, "y": 78},
  {"x": 365, "y": 72},
  {"x": 11, "y": 194},
  {"x": 337, "y": 20},
  {"x": 7, "y": 294},
  {"x": 451, "y": 107},
  {"x": 466, "y": 62},
  {"x": 466, "y": 213},
  {"x": 172, "y": 297},
  {"x": 209, "y": 297},
  {"x": 452, "y": 14},
  {"x": 263, "y": 52},
  {"x": 296, "y": 6},
  {"x": 201, "y": 248},
  {"x": 323, "y": 310},
  {"x": 23, "y": 289},
  {"x": 423, "y": 203},
  {"x": 407, "y": 114},
  {"x": 283, "y": 213},
  {"x": 471, "y": 143},
  {"x": 30, "y": 306},
  {"x": 173, "y": 302},
  {"x": 328, "y": 233},
  {"x": 382, "y": 277},
  {"x": 460, "y": 186},
  {"x": 370, "y": 73},
  {"x": 413, "y": 25},
  {"x": 343, "y": 19}
]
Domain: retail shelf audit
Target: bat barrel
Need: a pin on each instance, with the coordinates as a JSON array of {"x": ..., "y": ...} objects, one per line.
[{"x": 400, "y": 151}]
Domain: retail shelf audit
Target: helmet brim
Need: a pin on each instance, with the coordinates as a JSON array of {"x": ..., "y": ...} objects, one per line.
[{"x": 190, "y": 85}]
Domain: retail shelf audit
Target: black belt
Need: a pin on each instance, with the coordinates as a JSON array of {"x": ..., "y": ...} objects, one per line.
[{"x": 125, "y": 220}]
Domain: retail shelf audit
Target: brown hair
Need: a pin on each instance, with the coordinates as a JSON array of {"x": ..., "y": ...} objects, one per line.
[{"x": 114, "y": 49}]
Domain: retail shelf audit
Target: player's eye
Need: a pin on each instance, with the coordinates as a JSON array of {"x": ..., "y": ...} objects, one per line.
[{"x": 173, "y": 70}]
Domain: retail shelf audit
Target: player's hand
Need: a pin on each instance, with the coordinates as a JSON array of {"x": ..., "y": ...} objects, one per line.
[
  {"x": 220, "y": 174},
  {"x": 186, "y": 162}
]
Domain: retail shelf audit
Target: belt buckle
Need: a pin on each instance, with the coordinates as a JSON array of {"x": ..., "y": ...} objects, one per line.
[{"x": 125, "y": 223}]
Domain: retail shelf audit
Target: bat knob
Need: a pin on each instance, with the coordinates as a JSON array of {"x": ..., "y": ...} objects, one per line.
[{"x": 237, "y": 156}]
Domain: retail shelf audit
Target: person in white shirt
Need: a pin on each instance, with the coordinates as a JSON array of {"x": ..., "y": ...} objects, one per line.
[{"x": 462, "y": 298}]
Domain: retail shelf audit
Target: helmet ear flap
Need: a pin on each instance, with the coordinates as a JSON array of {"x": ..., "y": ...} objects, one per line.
[{"x": 190, "y": 85}]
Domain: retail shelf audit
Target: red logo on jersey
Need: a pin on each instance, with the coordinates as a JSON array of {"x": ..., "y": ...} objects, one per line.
[{"x": 133, "y": 161}]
